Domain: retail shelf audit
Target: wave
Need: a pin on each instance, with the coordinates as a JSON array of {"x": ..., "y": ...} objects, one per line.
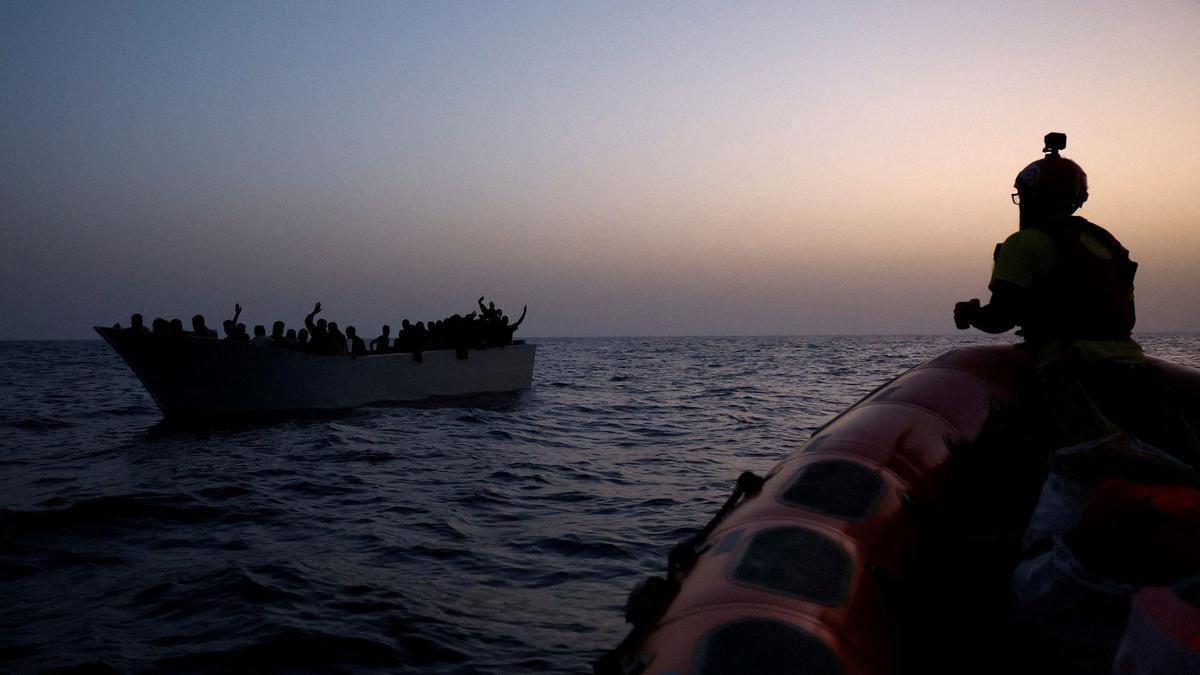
[
  {"x": 106, "y": 511},
  {"x": 40, "y": 424},
  {"x": 304, "y": 650},
  {"x": 578, "y": 546}
]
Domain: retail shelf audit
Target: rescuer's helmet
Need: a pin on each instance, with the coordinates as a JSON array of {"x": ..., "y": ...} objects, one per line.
[{"x": 1053, "y": 185}]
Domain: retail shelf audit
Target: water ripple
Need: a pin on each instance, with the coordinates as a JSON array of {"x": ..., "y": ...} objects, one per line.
[{"x": 497, "y": 534}]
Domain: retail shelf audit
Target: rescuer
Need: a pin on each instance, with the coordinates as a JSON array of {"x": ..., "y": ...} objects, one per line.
[{"x": 1068, "y": 284}]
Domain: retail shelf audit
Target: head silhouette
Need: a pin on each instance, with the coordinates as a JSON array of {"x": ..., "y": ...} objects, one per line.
[{"x": 1051, "y": 187}]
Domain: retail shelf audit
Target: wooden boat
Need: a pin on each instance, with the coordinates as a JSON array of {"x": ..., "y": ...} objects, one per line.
[
  {"x": 884, "y": 545},
  {"x": 192, "y": 376}
]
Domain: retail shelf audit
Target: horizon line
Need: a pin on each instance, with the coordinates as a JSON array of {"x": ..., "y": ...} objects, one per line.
[{"x": 696, "y": 335}]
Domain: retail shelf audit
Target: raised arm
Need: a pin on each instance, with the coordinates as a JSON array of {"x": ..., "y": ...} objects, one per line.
[
  {"x": 237, "y": 311},
  {"x": 308, "y": 320},
  {"x": 518, "y": 323}
]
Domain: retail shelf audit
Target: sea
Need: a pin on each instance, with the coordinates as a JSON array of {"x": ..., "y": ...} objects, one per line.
[{"x": 496, "y": 534}]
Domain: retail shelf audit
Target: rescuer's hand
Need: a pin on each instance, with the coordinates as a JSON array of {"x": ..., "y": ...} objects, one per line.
[{"x": 965, "y": 313}]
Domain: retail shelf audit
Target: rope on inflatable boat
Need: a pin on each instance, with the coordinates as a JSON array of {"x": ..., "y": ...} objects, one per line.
[{"x": 651, "y": 597}]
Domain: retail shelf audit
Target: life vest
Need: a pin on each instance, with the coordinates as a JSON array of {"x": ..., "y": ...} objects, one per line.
[{"x": 1087, "y": 296}]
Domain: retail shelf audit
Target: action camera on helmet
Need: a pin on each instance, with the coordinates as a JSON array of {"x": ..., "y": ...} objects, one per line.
[{"x": 1055, "y": 141}]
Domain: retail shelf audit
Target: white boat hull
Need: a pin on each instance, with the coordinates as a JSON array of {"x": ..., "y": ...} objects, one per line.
[{"x": 190, "y": 376}]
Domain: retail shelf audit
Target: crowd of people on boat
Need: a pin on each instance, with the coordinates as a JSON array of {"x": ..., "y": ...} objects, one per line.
[{"x": 487, "y": 327}]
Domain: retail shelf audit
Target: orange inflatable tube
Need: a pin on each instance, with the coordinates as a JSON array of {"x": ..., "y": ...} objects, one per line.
[{"x": 791, "y": 576}]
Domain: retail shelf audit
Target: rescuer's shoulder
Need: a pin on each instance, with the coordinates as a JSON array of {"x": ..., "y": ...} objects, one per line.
[
  {"x": 1099, "y": 241},
  {"x": 1025, "y": 258},
  {"x": 1031, "y": 246}
]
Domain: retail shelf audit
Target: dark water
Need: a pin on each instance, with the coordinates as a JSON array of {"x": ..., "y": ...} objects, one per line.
[{"x": 495, "y": 535}]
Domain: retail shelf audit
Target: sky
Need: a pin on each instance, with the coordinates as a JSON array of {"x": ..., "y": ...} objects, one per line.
[{"x": 642, "y": 168}]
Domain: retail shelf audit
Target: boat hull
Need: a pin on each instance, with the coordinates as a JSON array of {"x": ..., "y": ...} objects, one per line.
[{"x": 189, "y": 376}]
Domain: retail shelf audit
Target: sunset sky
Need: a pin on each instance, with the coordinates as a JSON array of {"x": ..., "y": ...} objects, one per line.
[{"x": 643, "y": 168}]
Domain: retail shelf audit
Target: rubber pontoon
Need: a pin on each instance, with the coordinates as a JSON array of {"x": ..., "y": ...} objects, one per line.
[{"x": 862, "y": 552}]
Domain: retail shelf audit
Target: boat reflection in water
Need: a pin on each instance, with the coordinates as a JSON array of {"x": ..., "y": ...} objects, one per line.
[{"x": 202, "y": 377}]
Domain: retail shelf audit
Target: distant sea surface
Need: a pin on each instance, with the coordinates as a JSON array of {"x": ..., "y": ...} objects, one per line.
[{"x": 488, "y": 535}]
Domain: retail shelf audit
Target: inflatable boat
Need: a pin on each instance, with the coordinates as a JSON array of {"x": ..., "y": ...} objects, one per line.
[
  {"x": 886, "y": 544},
  {"x": 193, "y": 376}
]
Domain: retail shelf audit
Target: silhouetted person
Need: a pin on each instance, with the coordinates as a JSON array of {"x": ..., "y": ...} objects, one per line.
[
  {"x": 356, "y": 344},
  {"x": 437, "y": 335},
  {"x": 176, "y": 327},
  {"x": 321, "y": 339},
  {"x": 278, "y": 338},
  {"x": 137, "y": 325},
  {"x": 240, "y": 333},
  {"x": 413, "y": 339},
  {"x": 404, "y": 337},
  {"x": 260, "y": 336},
  {"x": 302, "y": 339},
  {"x": 381, "y": 343},
  {"x": 289, "y": 338},
  {"x": 454, "y": 335},
  {"x": 161, "y": 327},
  {"x": 230, "y": 325},
  {"x": 337, "y": 340},
  {"x": 472, "y": 328},
  {"x": 420, "y": 338},
  {"x": 510, "y": 329},
  {"x": 318, "y": 332},
  {"x": 200, "y": 330},
  {"x": 308, "y": 320},
  {"x": 490, "y": 312},
  {"x": 1068, "y": 284}
]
